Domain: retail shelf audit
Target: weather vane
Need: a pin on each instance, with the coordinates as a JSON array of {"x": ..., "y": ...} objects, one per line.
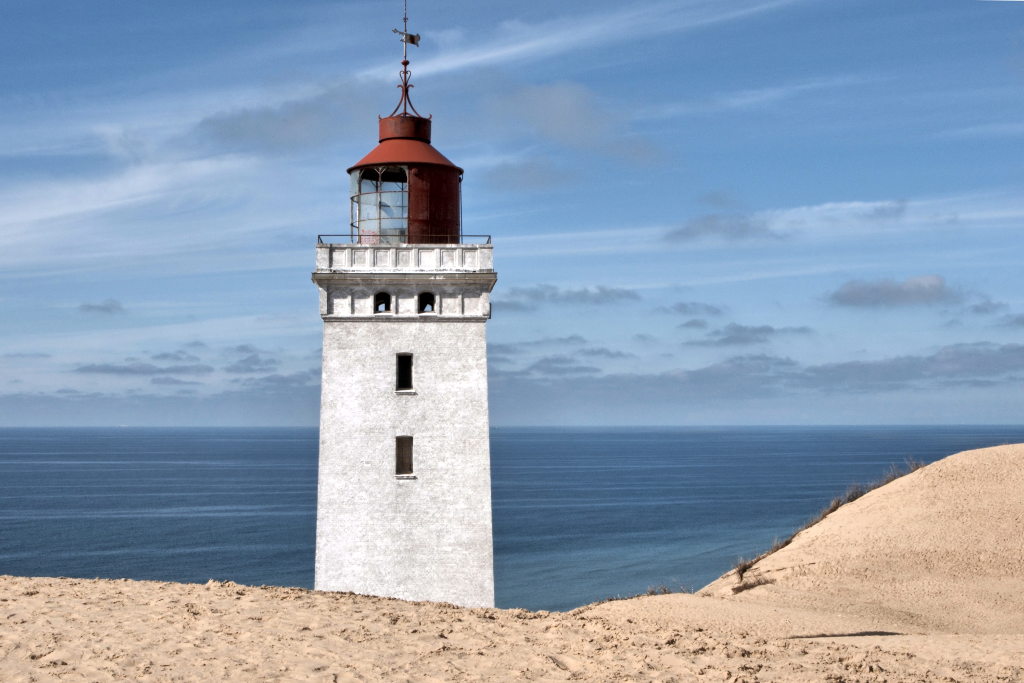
[
  {"x": 407, "y": 38},
  {"x": 405, "y": 104}
]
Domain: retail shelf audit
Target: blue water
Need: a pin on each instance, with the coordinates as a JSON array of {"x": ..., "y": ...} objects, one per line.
[{"x": 579, "y": 514}]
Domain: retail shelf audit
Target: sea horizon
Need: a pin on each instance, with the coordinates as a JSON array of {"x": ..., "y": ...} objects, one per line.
[
  {"x": 838, "y": 425},
  {"x": 580, "y": 514}
]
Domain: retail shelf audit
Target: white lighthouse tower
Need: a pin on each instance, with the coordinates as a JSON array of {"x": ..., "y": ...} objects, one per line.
[{"x": 404, "y": 483}]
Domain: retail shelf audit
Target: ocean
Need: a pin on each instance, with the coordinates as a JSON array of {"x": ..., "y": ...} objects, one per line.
[{"x": 579, "y": 514}]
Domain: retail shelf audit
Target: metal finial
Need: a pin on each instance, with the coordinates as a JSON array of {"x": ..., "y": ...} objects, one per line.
[
  {"x": 405, "y": 103},
  {"x": 405, "y": 28}
]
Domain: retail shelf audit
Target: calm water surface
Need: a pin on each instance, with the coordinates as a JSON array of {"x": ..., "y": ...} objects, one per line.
[{"x": 579, "y": 514}]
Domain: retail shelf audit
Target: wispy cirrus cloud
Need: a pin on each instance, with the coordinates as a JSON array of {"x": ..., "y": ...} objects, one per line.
[
  {"x": 851, "y": 215},
  {"x": 995, "y": 208},
  {"x": 752, "y": 98},
  {"x": 517, "y": 41},
  {"x": 299, "y": 116},
  {"x": 1003, "y": 129},
  {"x": 29, "y": 206},
  {"x": 127, "y": 215},
  {"x": 102, "y": 216}
]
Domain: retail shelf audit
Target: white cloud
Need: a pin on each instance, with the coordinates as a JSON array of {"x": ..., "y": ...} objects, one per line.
[
  {"x": 914, "y": 291},
  {"x": 751, "y": 98},
  {"x": 988, "y": 130},
  {"x": 997, "y": 208},
  {"x": 518, "y": 41},
  {"x": 222, "y": 214},
  {"x": 726, "y": 226},
  {"x": 28, "y": 207},
  {"x": 88, "y": 345},
  {"x": 567, "y": 114}
]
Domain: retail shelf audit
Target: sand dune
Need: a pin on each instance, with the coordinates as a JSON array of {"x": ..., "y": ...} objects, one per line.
[
  {"x": 941, "y": 549},
  {"x": 920, "y": 580}
]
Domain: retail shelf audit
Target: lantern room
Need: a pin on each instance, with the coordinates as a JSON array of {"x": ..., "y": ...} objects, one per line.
[{"x": 405, "y": 191}]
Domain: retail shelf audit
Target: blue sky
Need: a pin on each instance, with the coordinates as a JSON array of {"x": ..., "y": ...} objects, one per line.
[{"x": 753, "y": 212}]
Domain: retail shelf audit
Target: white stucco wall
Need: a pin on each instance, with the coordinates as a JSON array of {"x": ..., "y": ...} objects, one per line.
[{"x": 421, "y": 538}]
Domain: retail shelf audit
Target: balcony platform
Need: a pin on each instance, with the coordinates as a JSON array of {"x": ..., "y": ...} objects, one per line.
[{"x": 344, "y": 256}]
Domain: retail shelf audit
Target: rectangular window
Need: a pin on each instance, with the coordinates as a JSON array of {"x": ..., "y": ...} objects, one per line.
[
  {"x": 403, "y": 374},
  {"x": 403, "y": 455}
]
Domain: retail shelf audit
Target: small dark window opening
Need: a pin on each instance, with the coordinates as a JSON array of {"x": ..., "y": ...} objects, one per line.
[
  {"x": 427, "y": 302},
  {"x": 403, "y": 455},
  {"x": 403, "y": 373},
  {"x": 381, "y": 302}
]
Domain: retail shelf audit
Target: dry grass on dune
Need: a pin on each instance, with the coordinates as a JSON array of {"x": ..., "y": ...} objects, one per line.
[
  {"x": 939, "y": 549},
  {"x": 851, "y": 494}
]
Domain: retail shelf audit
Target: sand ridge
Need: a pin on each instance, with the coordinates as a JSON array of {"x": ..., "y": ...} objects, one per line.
[
  {"x": 872, "y": 593},
  {"x": 940, "y": 549},
  {"x": 85, "y": 630}
]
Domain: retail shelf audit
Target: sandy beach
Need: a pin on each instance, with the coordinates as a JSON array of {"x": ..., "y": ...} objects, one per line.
[{"x": 919, "y": 580}]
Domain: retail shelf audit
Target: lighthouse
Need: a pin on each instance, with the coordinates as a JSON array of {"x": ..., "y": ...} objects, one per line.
[{"x": 404, "y": 482}]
